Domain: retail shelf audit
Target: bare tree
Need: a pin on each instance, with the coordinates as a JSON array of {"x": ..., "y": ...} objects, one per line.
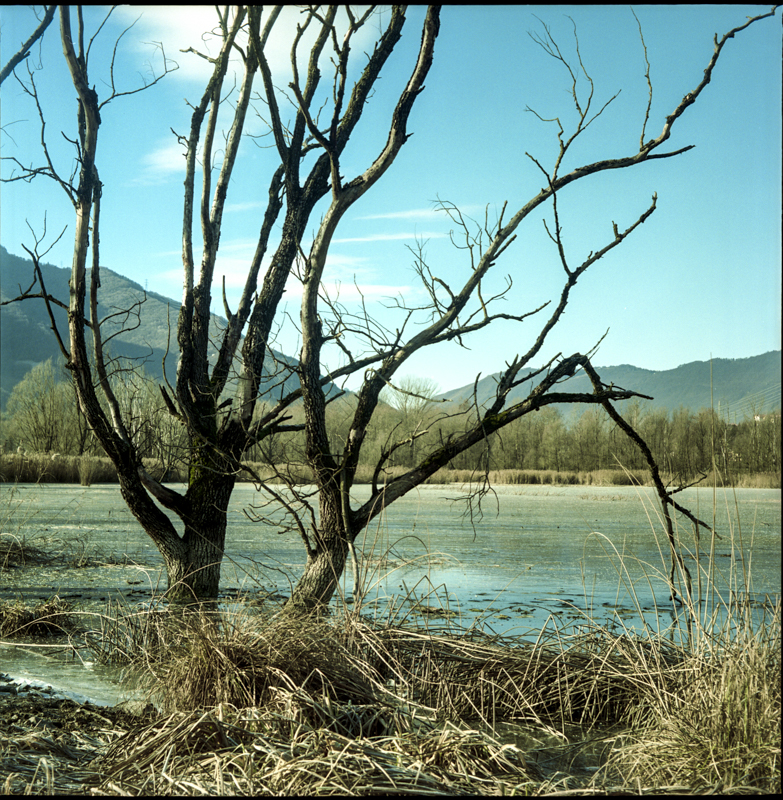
[
  {"x": 412, "y": 395},
  {"x": 42, "y": 412},
  {"x": 219, "y": 427},
  {"x": 414, "y": 400}
]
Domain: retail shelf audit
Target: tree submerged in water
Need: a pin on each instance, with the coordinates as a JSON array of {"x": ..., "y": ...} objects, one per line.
[{"x": 221, "y": 397}]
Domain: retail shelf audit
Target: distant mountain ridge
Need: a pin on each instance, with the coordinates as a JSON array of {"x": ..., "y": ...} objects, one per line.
[
  {"x": 740, "y": 386},
  {"x": 26, "y": 338}
]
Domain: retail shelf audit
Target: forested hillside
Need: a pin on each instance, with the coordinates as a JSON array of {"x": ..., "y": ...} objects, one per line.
[
  {"x": 740, "y": 387},
  {"x": 736, "y": 387},
  {"x": 143, "y": 324}
]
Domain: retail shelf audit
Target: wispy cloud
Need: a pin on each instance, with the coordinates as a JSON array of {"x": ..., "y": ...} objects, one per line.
[
  {"x": 412, "y": 213},
  {"x": 354, "y": 292},
  {"x": 179, "y": 28},
  {"x": 389, "y": 237},
  {"x": 349, "y": 278},
  {"x": 250, "y": 205},
  {"x": 163, "y": 163},
  {"x": 435, "y": 212}
]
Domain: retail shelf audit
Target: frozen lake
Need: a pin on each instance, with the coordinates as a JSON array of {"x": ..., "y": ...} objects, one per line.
[
  {"x": 540, "y": 555},
  {"x": 534, "y": 548}
]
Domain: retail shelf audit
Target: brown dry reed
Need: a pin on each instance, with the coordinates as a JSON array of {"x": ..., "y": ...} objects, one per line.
[
  {"x": 18, "y": 552},
  {"x": 52, "y": 617},
  {"x": 255, "y": 703},
  {"x": 243, "y": 659},
  {"x": 55, "y": 468},
  {"x": 89, "y": 469},
  {"x": 716, "y": 727}
]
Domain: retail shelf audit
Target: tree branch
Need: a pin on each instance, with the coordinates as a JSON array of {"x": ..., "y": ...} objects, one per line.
[{"x": 24, "y": 50}]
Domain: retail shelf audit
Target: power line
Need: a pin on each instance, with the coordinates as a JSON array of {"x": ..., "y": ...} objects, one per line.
[{"x": 760, "y": 402}]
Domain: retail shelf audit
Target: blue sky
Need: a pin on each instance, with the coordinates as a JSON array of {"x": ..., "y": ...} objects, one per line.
[{"x": 701, "y": 277}]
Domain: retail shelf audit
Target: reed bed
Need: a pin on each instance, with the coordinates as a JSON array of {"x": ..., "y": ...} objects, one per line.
[
  {"x": 595, "y": 678},
  {"x": 292, "y": 705},
  {"x": 243, "y": 659},
  {"x": 89, "y": 469},
  {"x": 260, "y": 704},
  {"x": 717, "y": 729},
  {"x": 55, "y": 468},
  {"x": 18, "y": 551},
  {"x": 250, "y": 753},
  {"x": 52, "y": 617},
  {"x": 253, "y": 703},
  {"x": 84, "y": 470}
]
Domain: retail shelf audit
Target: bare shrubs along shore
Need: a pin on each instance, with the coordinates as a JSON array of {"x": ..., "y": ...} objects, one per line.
[
  {"x": 89, "y": 469},
  {"x": 258, "y": 701}
]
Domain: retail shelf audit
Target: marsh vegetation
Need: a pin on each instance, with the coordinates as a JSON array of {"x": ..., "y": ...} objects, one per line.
[
  {"x": 256, "y": 700},
  {"x": 255, "y": 703}
]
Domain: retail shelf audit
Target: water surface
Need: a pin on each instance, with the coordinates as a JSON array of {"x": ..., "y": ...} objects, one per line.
[
  {"x": 538, "y": 556},
  {"x": 535, "y": 551}
]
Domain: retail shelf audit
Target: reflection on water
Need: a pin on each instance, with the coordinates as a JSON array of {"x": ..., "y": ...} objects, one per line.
[
  {"x": 538, "y": 553},
  {"x": 568, "y": 552}
]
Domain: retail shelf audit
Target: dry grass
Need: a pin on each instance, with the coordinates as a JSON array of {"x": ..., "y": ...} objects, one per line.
[
  {"x": 288, "y": 705},
  {"x": 251, "y": 752},
  {"x": 717, "y": 728},
  {"x": 595, "y": 678},
  {"x": 291, "y": 705},
  {"x": 125, "y": 636},
  {"x": 759, "y": 480},
  {"x": 53, "y": 617},
  {"x": 243, "y": 659},
  {"x": 89, "y": 469},
  {"x": 54, "y": 468},
  {"x": 18, "y": 552},
  {"x": 84, "y": 470}
]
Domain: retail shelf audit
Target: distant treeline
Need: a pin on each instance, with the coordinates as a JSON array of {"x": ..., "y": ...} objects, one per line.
[
  {"x": 42, "y": 418},
  {"x": 685, "y": 444}
]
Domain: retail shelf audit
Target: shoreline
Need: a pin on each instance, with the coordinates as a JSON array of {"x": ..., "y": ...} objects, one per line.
[{"x": 88, "y": 470}]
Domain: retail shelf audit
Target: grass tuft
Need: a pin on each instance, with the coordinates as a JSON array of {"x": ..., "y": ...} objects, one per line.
[
  {"x": 49, "y": 618},
  {"x": 717, "y": 727},
  {"x": 244, "y": 659}
]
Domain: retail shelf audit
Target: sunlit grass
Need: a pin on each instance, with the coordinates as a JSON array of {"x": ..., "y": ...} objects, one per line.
[{"x": 255, "y": 700}]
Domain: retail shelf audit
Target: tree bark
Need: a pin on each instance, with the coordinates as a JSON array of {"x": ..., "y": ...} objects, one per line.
[
  {"x": 318, "y": 583},
  {"x": 194, "y": 572}
]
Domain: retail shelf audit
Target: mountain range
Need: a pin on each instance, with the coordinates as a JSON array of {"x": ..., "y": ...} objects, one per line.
[
  {"x": 148, "y": 334},
  {"x": 735, "y": 387}
]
